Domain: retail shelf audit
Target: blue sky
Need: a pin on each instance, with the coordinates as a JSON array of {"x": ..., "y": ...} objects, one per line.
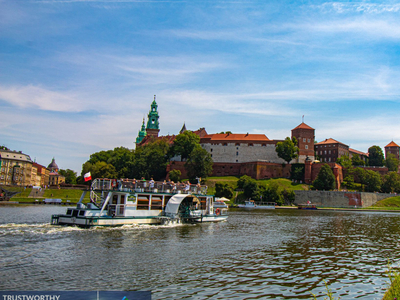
[{"x": 78, "y": 76}]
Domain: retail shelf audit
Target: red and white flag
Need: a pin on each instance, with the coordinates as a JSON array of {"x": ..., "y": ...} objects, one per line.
[{"x": 87, "y": 176}]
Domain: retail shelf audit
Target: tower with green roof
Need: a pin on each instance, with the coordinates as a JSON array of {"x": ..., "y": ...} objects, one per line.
[
  {"x": 152, "y": 128},
  {"x": 142, "y": 133}
]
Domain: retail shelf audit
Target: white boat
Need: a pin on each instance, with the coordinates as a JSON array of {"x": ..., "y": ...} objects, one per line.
[
  {"x": 220, "y": 203},
  {"x": 251, "y": 204},
  {"x": 128, "y": 202}
]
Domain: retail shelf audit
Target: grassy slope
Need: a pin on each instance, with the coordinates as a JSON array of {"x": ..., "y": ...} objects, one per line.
[
  {"x": 392, "y": 203},
  {"x": 64, "y": 194}
]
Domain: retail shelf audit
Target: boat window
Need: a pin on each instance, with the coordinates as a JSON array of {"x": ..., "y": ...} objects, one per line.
[
  {"x": 115, "y": 199},
  {"x": 69, "y": 212},
  {"x": 122, "y": 201},
  {"x": 82, "y": 213}
]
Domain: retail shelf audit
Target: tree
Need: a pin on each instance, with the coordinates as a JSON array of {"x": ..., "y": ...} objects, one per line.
[
  {"x": 391, "y": 183},
  {"x": 184, "y": 144},
  {"x": 70, "y": 176},
  {"x": 175, "y": 175},
  {"x": 357, "y": 161},
  {"x": 272, "y": 193},
  {"x": 344, "y": 161},
  {"x": 99, "y": 169},
  {"x": 4, "y": 148},
  {"x": 325, "y": 179},
  {"x": 297, "y": 171},
  {"x": 372, "y": 181},
  {"x": 223, "y": 190},
  {"x": 376, "y": 156},
  {"x": 150, "y": 160},
  {"x": 287, "y": 150},
  {"x": 251, "y": 189},
  {"x": 198, "y": 164},
  {"x": 242, "y": 181},
  {"x": 392, "y": 163}
]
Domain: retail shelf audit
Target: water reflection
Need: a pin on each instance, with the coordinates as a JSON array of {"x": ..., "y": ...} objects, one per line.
[{"x": 281, "y": 254}]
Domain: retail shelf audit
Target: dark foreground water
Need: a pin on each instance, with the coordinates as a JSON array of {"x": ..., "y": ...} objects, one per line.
[{"x": 271, "y": 254}]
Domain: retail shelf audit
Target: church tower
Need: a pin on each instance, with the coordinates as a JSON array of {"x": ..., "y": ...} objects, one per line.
[
  {"x": 152, "y": 128},
  {"x": 142, "y": 134}
]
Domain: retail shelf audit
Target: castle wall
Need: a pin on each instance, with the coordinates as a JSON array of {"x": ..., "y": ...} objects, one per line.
[
  {"x": 242, "y": 152},
  {"x": 339, "y": 199}
]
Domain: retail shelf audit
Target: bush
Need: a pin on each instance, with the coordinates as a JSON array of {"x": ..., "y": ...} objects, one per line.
[{"x": 175, "y": 175}]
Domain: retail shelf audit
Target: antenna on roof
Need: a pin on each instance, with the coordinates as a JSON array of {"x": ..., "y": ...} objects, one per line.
[{"x": 303, "y": 119}]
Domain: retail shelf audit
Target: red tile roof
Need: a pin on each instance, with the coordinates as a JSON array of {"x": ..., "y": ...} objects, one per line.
[
  {"x": 329, "y": 141},
  {"x": 358, "y": 152},
  {"x": 303, "y": 126},
  {"x": 226, "y": 137},
  {"x": 392, "y": 144}
]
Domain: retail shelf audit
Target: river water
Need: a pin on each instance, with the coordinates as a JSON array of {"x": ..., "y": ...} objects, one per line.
[{"x": 269, "y": 254}]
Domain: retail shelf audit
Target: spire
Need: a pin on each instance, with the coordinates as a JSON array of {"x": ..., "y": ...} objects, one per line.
[
  {"x": 183, "y": 128},
  {"x": 142, "y": 133},
  {"x": 152, "y": 122}
]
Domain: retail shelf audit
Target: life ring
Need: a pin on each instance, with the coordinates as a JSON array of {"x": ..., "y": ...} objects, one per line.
[
  {"x": 114, "y": 183},
  {"x": 217, "y": 212}
]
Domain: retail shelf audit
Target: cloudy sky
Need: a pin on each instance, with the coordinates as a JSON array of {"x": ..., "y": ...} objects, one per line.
[{"x": 78, "y": 76}]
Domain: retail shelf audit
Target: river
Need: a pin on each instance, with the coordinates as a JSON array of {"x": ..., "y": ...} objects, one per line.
[{"x": 269, "y": 254}]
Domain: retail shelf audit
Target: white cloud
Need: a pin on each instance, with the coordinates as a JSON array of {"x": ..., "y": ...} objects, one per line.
[{"x": 33, "y": 96}]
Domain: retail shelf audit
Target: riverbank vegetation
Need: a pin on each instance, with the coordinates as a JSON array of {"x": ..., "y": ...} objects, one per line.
[{"x": 280, "y": 190}]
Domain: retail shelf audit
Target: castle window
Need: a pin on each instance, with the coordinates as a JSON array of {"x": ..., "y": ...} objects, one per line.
[
  {"x": 237, "y": 153},
  {"x": 250, "y": 145},
  {"x": 304, "y": 140},
  {"x": 308, "y": 140},
  {"x": 211, "y": 155},
  {"x": 211, "y": 150},
  {"x": 237, "y": 148},
  {"x": 306, "y": 146},
  {"x": 237, "y": 161},
  {"x": 264, "y": 145},
  {"x": 225, "y": 144},
  {"x": 237, "y": 144},
  {"x": 329, "y": 151}
]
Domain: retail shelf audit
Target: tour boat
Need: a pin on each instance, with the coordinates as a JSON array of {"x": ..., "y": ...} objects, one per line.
[
  {"x": 251, "y": 204},
  {"x": 306, "y": 206},
  {"x": 129, "y": 202}
]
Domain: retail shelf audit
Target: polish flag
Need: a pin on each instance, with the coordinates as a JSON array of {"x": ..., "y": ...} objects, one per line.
[{"x": 87, "y": 176}]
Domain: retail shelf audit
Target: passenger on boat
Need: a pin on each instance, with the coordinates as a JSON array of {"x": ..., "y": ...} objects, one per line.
[
  {"x": 187, "y": 186},
  {"x": 151, "y": 183}
]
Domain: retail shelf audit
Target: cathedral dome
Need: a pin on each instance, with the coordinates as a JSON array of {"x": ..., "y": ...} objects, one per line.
[{"x": 53, "y": 166}]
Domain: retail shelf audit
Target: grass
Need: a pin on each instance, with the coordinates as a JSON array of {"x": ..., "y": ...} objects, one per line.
[
  {"x": 393, "y": 291},
  {"x": 65, "y": 194}
]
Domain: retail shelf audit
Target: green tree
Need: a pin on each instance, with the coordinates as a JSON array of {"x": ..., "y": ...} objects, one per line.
[
  {"x": 251, "y": 189},
  {"x": 223, "y": 190},
  {"x": 175, "y": 175},
  {"x": 273, "y": 194},
  {"x": 122, "y": 159},
  {"x": 392, "y": 163},
  {"x": 150, "y": 160},
  {"x": 372, "y": 181},
  {"x": 376, "y": 156},
  {"x": 100, "y": 169},
  {"x": 287, "y": 150},
  {"x": 297, "y": 171},
  {"x": 391, "y": 183},
  {"x": 325, "y": 179},
  {"x": 184, "y": 144},
  {"x": 198, "y": 164},
  {"x": 70, "y": 176},
  {"x": 4, "y": 148},
  {"x": 357, "y": 161},
  {"x": 242, "y": 181},
  {"x": 344, "y": 161}
]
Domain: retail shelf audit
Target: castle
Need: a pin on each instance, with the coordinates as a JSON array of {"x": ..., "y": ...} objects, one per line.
[{"x": 255, "y": 155}]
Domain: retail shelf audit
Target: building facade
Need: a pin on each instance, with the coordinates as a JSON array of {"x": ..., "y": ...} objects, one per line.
[
  {"x": 240, "y": 148},
  {"x": 330, "y": 150},
  {"x": 305, "y": 136},
  {"x": 16, "y": 168},
  {"x": 392, "y": 148}
]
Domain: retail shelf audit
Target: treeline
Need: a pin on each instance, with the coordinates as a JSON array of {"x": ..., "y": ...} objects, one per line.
[
  {"x": 258, "y": 191},
  {"x": 151, "y": 159}
]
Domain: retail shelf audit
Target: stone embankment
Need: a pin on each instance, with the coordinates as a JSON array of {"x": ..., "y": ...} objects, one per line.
[{"x": 339, "y": 199}]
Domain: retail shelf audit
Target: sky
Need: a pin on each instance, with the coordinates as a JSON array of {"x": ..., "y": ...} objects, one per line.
[{"x": 79, "y": 76}]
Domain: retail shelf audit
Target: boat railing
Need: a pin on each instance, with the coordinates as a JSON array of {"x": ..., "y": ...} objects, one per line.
[{"x": 132, "y": 185}]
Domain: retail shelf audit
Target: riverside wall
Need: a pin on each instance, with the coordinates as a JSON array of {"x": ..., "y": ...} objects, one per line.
[{"x": 339, "y": 199}]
